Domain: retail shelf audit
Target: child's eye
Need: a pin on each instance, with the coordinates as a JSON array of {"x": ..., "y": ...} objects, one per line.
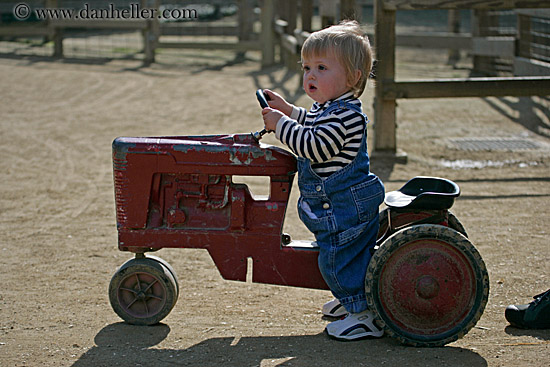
[
  {"x": 305, "y": 68},
  {"x": 322, "y": 67}
]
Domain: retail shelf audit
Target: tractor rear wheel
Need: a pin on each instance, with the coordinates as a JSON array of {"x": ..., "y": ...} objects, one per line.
[{"x": 427, "y": 284}]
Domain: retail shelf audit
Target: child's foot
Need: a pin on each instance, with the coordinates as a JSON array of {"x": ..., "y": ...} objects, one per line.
[
  {"x": 334, "y": 309},
  {"x": 355, "y": 326}
]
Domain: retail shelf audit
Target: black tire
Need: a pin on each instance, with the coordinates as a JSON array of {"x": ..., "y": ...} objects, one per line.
[
  {"x": 427, "y": 284},
  {"x": 383, "y": 222},
  {"x": 163, "y": 262},
  {"x": 170, "y": 269},
  {"x": 142, "y": 291},
  {"x": 455, "y": 224}
]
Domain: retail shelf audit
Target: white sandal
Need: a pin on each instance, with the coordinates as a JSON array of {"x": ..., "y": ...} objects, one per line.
[
  {"x": 334, "y": 309},
  {"x": 355, "y": 326}
]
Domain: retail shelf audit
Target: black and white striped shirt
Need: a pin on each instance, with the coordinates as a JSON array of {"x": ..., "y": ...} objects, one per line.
[{"x": 331, "y": 142}]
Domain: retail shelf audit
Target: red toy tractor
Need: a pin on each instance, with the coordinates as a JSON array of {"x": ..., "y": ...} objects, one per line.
[{"x": 426, "y": 282}]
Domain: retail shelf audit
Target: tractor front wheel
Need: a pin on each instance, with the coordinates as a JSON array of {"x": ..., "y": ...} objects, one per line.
[{"x": 143, "y": 291}]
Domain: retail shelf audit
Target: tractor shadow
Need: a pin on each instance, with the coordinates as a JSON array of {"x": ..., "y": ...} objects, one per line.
[{"x": 121, "y": 344}]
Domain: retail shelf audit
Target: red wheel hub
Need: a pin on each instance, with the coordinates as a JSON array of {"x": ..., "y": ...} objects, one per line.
[
  {"x": 427, "y": 287},
  {"x": 141, "y": 295}
]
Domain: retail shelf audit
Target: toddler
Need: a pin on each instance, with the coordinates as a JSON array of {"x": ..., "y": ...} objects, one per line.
[{"x": 339, "y": 196}]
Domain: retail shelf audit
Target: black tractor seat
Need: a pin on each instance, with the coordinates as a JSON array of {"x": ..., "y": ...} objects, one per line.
[{"x": 431, "y": 193}]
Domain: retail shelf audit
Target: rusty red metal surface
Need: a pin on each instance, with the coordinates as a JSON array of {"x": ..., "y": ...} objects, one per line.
[
  {"x": 178, "y": 192},
  {"x": 427, "y": 287}
]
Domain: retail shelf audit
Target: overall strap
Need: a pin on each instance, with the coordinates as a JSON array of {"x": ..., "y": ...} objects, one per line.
[{"x": 340, "y": 104}]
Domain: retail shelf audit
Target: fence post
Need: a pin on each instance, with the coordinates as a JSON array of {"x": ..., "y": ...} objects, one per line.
[
  {"x": 523, "y": 36},
  {"x": 484, "y": 24},
  {"x": 267, "y": 35},
  {"x": 384, "y": 109},
  {"x": 282, "y": 10},
  {"x": 292, "y": 15},
  {"x": 307, "y": 15},
  {"x": 57, "y": 37},
  {"x": 245, "y": 20},
  {"x": 151, "y": 34},
  {"x": 453, "y": 23},
  {"x": 292, "y": 58},
  {"x": 327, "y": 11},
  {"x": 347, "y": 10}
]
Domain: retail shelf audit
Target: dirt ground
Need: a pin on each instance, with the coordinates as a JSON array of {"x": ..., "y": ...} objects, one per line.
[{"x": 59, "y": 240}]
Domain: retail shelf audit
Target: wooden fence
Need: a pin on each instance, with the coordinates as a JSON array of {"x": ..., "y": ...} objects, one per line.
[
  {"x": 279, "y": 26},
  {"x": 528, "y": 49},
  {"x": 388, "y": 90},
  {"x": 532, "y": 74},
  {"x": 152, "y": 30}
]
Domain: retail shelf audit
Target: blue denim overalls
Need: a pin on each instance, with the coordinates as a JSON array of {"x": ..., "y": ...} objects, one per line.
[{"x": 342, "y": 212}]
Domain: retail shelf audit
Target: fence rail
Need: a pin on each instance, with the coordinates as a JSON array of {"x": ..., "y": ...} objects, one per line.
[
  {"x": 388, "y": 90},
  {"x": 522, "y": 48},
  {"x": 152, "y": 30},
  {"x": 493, "y": 46}
]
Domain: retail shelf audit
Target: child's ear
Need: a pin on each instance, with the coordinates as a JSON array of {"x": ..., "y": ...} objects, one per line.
[{"x": 354, "y": 78}]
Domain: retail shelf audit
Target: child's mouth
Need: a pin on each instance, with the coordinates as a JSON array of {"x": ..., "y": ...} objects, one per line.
[{"x": 312, "y": 88}]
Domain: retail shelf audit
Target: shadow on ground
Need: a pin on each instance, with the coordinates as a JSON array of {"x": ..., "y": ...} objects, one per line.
[
  {"x": 532, "y": 113},
  {"x": 542, "y": 334},
  {"x": 121, "y": 344}
]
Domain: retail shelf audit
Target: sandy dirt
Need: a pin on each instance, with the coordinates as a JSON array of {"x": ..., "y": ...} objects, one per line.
[{"x": 59, "y": 240}]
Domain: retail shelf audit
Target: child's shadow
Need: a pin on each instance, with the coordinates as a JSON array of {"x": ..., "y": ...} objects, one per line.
[{"x": 121, "y": 344}]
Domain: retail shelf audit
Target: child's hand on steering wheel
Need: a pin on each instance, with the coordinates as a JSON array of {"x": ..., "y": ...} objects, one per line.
[
  {"x": 277, "y": 102},
  {"x": 271, "y": 117}
]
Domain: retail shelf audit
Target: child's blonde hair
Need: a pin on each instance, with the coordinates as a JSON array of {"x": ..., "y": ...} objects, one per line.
[{"x": 349, "y": 44}]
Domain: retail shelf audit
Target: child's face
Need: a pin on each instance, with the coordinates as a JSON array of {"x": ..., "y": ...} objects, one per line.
[{"x": 324, "y": 77}]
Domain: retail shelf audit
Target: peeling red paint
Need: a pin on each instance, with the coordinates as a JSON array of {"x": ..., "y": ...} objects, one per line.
[{"x": 178, "y": 192}]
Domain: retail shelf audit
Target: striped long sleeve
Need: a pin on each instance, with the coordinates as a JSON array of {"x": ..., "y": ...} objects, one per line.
[{"x": 330, "y": 142}]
